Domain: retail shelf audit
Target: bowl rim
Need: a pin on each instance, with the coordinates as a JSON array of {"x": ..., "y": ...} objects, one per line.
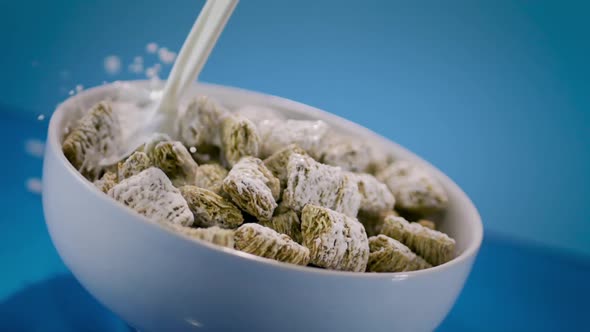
[{"x": 54, "y": 147}]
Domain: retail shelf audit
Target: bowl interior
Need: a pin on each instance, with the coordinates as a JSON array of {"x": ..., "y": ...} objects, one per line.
[{"x": 461, "y": 220}]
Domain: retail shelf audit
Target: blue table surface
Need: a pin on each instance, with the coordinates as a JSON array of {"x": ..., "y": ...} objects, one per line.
[{"x": 513, "y": 287}]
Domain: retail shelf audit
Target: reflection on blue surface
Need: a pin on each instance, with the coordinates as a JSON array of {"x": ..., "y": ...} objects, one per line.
[
  {"x": 516, "y": 287},
  {"x": 57, "y": 304}
]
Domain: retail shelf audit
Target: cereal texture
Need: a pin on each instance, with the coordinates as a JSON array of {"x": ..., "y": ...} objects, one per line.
[
  {"x": 348, "y": 153},
  {"x": 199, "y": 124},
  {"x": 435, "y": 247},
  {"x": 174, "y": 159},
  {"x": 276, "y": 135},
  {"x": 265, "y": 242},
  {"x": 374, "y": 222},
  {"x": 239, "y": 138},
  {"x": 215, "y": 235},
  {"x": 278, "y": 161},
  {"x": 210, "y": 209},
  {"x": 134, "y": 164},
  {"x": 375, "y": 196},
  {"x": 335, "y": 241},
  {"x": 286, "y": 223},
  {"x": 106, "y": 182},
  {"x": 95, "y": 136},
  {"x": 389, "y": 255},
  {"x": 252, "y": 187},
  {"x": 151, "y": 194},
  {"x": 309, "y": 182},
  {"x": 210, "y": 176},
  {"x": 415, "y": 190},
  {"x": 258, "y": 114},
  {"x": 427, "y": 223}
]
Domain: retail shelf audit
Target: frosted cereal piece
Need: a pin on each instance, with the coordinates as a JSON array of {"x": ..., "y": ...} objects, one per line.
[
  {"x": 252, "y": 187},
  {"x": 134, "y": 164},
  {"x": 151, "y": 194},
  {"x": 427, "y": 223},
  {"x": 94, "y": 137},
  {"x": 277, "y": 162},
  {"x": 309, "y": 182},
  {"x": 106, "y": 182},
  {"x": 210, "y": 176},
  {"x": 239, "y": 138},
  {"x": 210, "y": 209},
  {"x": 276, "y": 135},
  {"x": 335, "y": 241},
  {"x": 174, "y": 159},
  {"x": 286, "y": 223},
  {"x": 435, "y": 247},
  {"x": 282, "y": 208},
  {"x": 265, "y": 242},
  {"x": 350, "y": 154},
  {"x": 258, "y": 114},
  {"x": 374, "y": 222},
  {"x": 390, "y": 255},
  {"x": 153, "y": 140},
  {"x": 378, "y": 160},
  {"x": 199, "y": 124},
  {"x": 420, "y": 264},
  {"x": 415, "y": 190},
  {"x": 215, "y": 235},
  {"x": 375, "y": 196}
]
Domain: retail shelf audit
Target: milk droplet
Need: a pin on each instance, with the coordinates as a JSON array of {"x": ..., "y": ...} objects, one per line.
[
  {"x": 34, "y": 147},
  {"x": 71, "y": 92},
  {"x": 41, "y": 117},
  {"x": 151, "y": 47},
  {"x": 166, "y": 56},
  {"x": 34, "y": 185},
  {"x": 79, "y": 88},
  {"x": 192, "y": 149},
  {"x": 112, "y": 64}
]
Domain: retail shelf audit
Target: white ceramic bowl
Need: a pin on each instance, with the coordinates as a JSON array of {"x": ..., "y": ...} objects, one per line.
[{"x": 157, "y": 280}]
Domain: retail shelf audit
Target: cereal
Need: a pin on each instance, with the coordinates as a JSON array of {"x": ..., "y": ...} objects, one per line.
[
  {"x": 309, "y": 182},
  {"x": 389, "y": 255},
  {"x": 375, "y": 196},
  {"x": 95, "y": 136},
  {"x": 286, "y": 223},
  {"x": 210, "y": 209},
  {"x": 199, "y": 124},
  {"x": 210, "y": 176},
  {"x": 435, "y": 247},
  {"x": 415, "y": 190},
  {"x": 151, "y": 194},
  {"x": 106, "y": 182},
  {"x": 174, "y": 159},
  {"x": 134, "y": 164},
  {"x": 265, "y": 242},
  {"x": 239, "y": 138},
  {"x": 277, "y": 162},
  {"x": 335, "y": 241},
  {"x": 276, "y": 134},
  {"x": 258, "y": 114},
  {"x": 350, "y": 154},
  {"x": 215, "y": 235},
  {"x": 374, "y": 222},
  {"x": 314, "y": 200},
  {"x": 427, "y": 223},
  {"x": 252, "y": 187}
]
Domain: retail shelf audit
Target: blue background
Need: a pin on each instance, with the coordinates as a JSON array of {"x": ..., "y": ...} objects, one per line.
[{"x": 494, "y": 93}]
